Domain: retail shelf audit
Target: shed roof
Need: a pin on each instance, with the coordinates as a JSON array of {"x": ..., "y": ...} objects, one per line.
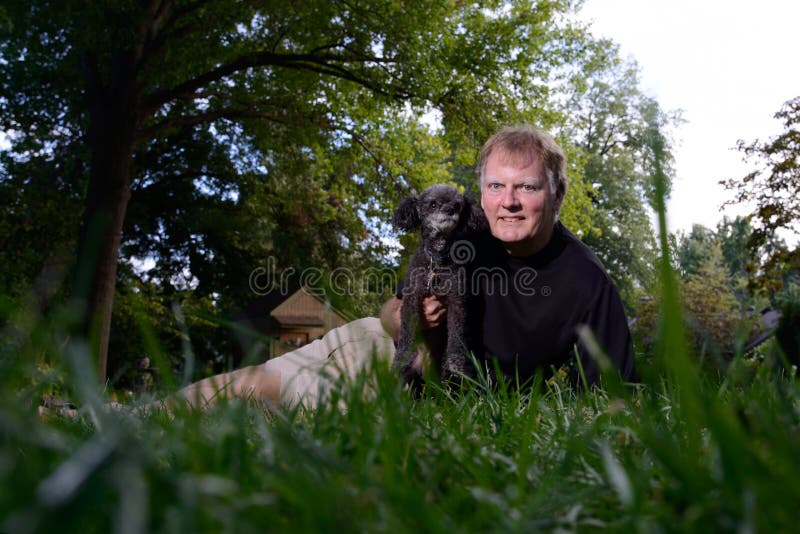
[
  {"x": 287, "y": 319},
  {"x": 305, "y": 308}
]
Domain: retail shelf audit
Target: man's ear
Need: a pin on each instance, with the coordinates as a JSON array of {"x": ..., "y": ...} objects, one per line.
[
  {"x": 559, "y": 200},
  {"x": 406, "y": 217}
]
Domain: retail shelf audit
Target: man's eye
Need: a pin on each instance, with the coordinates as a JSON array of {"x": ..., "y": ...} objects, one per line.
[
  {"x": 495, "y": 186},
  {"x": 529, "y": 188}
]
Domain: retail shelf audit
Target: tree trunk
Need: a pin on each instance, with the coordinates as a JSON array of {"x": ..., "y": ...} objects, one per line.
[
  {"x": 113, "y": 123},
  {"x": 107, "y": 202}
]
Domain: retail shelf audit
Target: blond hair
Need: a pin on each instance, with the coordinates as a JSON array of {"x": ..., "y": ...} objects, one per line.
[{"x": 523, "y": 145}]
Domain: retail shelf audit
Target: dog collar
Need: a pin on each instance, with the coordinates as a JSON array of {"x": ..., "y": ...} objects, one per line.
[{"x": 432, "y": 256}]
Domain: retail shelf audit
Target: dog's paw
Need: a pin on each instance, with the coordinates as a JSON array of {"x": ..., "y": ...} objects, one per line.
[
  {"x": 410, "y": 373},
  {"x": 414, "y": 381},
  {"x": 452, "y": 376},
  {"x": 402, "y": 356},
  {"x": 455, "y": 363}
]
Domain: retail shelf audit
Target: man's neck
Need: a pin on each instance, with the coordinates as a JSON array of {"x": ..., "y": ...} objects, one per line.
[{"x": 533, "y": 246}]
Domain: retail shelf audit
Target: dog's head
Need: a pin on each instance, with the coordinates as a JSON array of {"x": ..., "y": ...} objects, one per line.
[{"x": 440, "y": 211}]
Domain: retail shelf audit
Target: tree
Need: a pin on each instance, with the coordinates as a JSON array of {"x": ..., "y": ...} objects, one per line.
[
  {"x": 733, "y": 235},
  {"x": 774, "y": 188},
  {"x": 122, "y": 100},
  {"x": 693, "y": 249},
  {"x": 713, "y": 316},
  {"x": 612, "y": 123},
  {"x": 713, "y": 313}
]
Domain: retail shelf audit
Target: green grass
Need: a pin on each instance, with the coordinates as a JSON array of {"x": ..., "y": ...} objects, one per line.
[{"x": 722, "y": 456}]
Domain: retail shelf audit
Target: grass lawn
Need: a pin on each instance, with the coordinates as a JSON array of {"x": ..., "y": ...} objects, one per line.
[{"x": 672, "y": 454}]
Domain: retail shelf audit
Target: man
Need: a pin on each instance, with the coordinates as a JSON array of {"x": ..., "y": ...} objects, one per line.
[{"x": 535, "y": 284}]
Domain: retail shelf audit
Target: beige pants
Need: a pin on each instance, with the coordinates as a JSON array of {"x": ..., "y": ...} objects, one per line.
[
  {"x": 302, "y": 376},
  {"x": 310, "y": 371}
]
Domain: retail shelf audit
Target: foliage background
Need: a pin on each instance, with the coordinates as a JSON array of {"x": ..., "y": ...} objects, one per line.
[{"x": 267, "y": 134}]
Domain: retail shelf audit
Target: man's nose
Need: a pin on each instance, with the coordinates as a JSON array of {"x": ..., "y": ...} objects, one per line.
[{"x": 509, "y": 198}]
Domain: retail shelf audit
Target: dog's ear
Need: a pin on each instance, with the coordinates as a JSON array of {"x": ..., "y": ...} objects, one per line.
[
  {"x": 407, "y": 217},
  {"x": 472, "y": 215}
]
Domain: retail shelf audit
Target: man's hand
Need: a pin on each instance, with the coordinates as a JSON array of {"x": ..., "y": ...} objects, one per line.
[
  {"x": 432, "y": 315},
  {"x": 433, "y": 312}
]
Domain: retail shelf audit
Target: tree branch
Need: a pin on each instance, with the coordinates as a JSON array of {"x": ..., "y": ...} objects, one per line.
[
  {"x": 207, "y": 117},
  {"x": 164, "y": 18},
  {"x": 138, "y": 190},
  {"x": 608, "y": 144},
  {"x": 321, "y": 63}
]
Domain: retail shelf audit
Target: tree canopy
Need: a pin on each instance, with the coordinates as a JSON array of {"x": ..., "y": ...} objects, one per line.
[
  {"x": 711, "y": 287},
  {"x": 613, "y": 123}
]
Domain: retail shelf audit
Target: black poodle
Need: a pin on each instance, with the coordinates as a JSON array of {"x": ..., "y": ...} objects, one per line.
[{"x": 446, "y": 218}]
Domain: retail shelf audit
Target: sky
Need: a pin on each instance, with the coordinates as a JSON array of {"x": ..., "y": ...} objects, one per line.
[{"x": 728, "y": 65}]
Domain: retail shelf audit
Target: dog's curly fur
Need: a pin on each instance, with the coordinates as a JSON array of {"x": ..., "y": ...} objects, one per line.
[{"x": 445, "y": 217}]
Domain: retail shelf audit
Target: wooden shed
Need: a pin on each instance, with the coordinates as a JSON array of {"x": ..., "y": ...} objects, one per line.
[
  {"x": 302, "y": 318},
  {"x": 285, "y": 324}
]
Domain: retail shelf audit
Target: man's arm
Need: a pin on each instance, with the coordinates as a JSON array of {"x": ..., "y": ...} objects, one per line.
[
  {"x": 433, "y": 314},
  {"x": 390, "y": 317},
  {"x": 607, "y": 321}
]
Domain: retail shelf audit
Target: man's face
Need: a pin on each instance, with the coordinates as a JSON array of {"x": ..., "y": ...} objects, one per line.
[{"x": 519, "y": 203}]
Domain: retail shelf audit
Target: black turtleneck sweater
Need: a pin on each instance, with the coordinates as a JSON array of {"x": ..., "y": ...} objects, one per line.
[{"x": 524, "y": 311}]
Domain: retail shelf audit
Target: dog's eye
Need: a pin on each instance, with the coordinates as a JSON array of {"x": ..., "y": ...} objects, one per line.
[{"x": 433, "y": 205}]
